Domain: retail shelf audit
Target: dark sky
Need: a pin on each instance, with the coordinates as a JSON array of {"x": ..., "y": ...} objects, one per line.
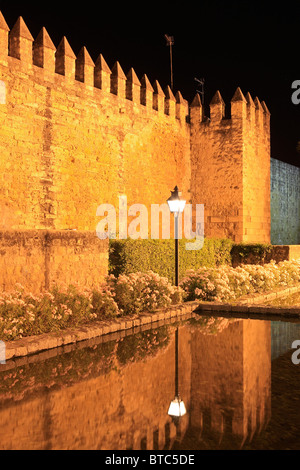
[{"x": 254, "y": 45}]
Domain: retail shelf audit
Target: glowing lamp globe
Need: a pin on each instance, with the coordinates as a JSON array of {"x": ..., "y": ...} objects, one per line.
[
  {"x": 176, "y": 205},
  {"x": 177, "y": 408}
]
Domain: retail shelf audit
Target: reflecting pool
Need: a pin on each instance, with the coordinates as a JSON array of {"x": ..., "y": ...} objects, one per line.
[{"x": 237, "y": 381}]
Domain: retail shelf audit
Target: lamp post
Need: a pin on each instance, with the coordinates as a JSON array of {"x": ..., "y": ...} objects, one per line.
[{"x": 176, "y": 206}]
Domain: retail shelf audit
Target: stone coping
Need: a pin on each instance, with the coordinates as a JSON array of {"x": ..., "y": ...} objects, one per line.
[
  {"x": 248, "y": 308},
  {"x": 251, "y": 306},
  {"x": 283, "y": 292},
  {"x": 35, "y": 344},
  {"x": 44, "y": 355}
]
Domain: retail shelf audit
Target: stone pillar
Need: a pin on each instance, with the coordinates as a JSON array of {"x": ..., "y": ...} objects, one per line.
[{"x": 133, "y": 87}]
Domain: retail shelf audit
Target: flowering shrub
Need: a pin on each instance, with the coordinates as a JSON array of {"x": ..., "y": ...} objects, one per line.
[
  {"x": 24, "y": 314},
  {"x": 103, "y": 302},
  {"x": 137, "y": 292},
  {"x": 227, "y": 283}
]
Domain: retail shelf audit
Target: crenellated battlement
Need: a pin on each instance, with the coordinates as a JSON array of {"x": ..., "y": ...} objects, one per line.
[
  {"x": 242, "y": 111},
  {"x": 42, "y": 53}
]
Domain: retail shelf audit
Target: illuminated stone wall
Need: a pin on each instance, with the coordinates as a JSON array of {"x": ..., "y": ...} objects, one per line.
[
  {"x": 75, "y": 134},
  {"x": 231, "y": 167},
  {"x": 38, "y": 258}
]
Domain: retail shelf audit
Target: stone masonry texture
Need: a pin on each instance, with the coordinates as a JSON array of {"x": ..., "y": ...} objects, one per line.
[
  {"x": 226, "y": 153},
  {"x": 39, "y": 258},
  {"x": 75, "y": 134},
  {"x": 285, "y": 203}
]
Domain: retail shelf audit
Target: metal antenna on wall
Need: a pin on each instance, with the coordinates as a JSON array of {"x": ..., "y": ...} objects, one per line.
[
  {"x": 201, "y": 92},
  {"x": 170, "y": 43}
]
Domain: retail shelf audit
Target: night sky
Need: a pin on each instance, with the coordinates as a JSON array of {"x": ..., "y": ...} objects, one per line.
[{"x": 254, "y": 45}]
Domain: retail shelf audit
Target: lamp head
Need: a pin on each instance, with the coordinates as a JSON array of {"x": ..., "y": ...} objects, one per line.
[{"x": 176, "y": 204}]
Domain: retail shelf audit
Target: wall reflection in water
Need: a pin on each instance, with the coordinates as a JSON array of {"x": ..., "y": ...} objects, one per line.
[{"x": 116, "y": 395}]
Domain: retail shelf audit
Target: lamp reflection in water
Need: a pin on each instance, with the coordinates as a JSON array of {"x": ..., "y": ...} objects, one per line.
[{"x": 177, "y": 407}]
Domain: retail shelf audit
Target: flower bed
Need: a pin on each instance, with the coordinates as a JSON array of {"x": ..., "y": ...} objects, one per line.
[
  {"x": 227, "y": 284},
  {"x": 24, "y": 314}
]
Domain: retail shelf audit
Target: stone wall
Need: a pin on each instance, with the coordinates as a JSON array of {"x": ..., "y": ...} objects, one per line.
[
  {"x": 277, "y": 253},
  {"x": 38, "y": 258},
  {"x": 74, "y": 135},
  {"x": 285, "y": 203},
  {"x": 226, "y": 154}
]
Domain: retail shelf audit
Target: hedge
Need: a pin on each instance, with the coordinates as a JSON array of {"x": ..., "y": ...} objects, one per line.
[
  {"x": 128, "y": 256},
  {"x": 251, "y": 253}
]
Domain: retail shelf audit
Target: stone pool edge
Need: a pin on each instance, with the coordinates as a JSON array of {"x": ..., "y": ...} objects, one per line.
[
  {"x": 251, "y": 305},
  {"x": 36, "y": 344}
]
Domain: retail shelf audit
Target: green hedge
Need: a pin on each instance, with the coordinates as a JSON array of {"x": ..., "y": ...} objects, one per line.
[
  {"x": 127, "y": 256},
  {"x": 251, "y": 253}
]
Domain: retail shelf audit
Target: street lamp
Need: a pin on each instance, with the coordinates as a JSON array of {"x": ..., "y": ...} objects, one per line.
[{"x": 176, "y": 206}]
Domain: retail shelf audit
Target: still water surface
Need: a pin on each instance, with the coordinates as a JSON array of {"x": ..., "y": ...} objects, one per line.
[{"x": 235, "y": 376}]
